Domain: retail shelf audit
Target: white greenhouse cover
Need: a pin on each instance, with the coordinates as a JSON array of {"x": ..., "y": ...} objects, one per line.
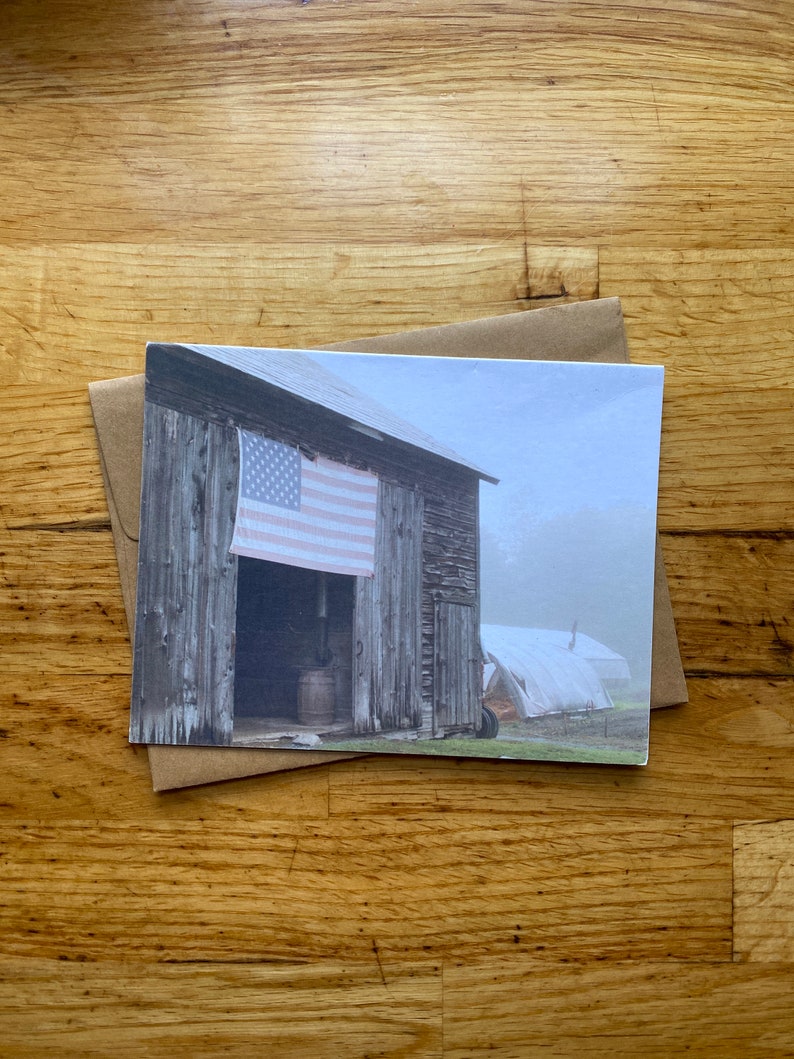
[
  {"x": 607, "y": 663},
  {"x": 541, "y": 674}
]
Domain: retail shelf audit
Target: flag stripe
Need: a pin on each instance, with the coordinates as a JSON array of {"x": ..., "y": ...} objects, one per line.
[
  {"x": 351, "y": 480},
  {"x": 279, "y": 525},
  {"x": 300, "y": 543},
  {"x": 337, "y": 501},
  {"x": 322, "y": 517}
]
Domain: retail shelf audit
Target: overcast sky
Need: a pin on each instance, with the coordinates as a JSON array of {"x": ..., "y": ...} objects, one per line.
[{"x": 559, "y": 436}]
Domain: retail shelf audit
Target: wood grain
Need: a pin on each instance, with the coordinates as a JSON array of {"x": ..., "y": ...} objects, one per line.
[
  {"x": 51, "y": 613},
  {"x": 732, "y": 599},
  {"x": 299, "y": 173},
  {"x": 516, "y": 1008},
  {"x": 721, "y": 321},
  {"x": 236, "y": 1008},
  {"x": 78, "y": 312},
  {"x": 67, "y": 757},
  {"x": 51, "y": 469},
  {"x": 763, "y": 872},
  {"x": 313, "y": 889},
  {"x": 619, "y": 121}
]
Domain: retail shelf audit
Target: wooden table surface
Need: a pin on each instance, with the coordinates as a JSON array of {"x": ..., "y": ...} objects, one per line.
[{"x": 270, "y": 172}]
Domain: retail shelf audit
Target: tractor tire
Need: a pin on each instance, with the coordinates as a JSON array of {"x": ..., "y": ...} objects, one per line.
[{"x": 489, "y": 729}]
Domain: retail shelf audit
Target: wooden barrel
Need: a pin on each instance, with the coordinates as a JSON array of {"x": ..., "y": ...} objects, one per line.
[{"x": 316, "y": 697}]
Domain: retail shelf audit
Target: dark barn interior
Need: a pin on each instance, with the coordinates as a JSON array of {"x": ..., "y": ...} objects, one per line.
[{"x": 290, "y": 622}]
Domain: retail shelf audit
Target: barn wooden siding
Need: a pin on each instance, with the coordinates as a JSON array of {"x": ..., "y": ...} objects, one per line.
[
  {"x": 183, "y": 687},
  {"x": 458, "y": 679},
  {"x": 450, "y": 572},
  {"x": 387, "y": 635},
  {"x": 447, "y": 515}
]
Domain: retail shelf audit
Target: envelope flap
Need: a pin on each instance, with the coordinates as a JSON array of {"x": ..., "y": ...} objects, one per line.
[
  {"x": 117, "y": 406},
  {"x": 581, "y": 331}
]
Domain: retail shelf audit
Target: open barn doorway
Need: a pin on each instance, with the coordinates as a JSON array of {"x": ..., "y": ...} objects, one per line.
[{"x": 294, "y": 650}]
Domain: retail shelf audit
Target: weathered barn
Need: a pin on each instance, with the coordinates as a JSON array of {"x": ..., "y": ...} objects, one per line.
[{"x": 223, "y": 636}]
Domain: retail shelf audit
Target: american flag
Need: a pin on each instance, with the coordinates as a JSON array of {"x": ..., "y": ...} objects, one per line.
[{"x": 316, "y": 514}]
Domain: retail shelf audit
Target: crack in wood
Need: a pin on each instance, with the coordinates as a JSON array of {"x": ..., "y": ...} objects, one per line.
[
  {"x": 751, "y": 534},
  {"x": 263, "y": 961},
  {"x": 62, "y": 527},
  {"x": 720, "y": 674},
  {"x": 561, "y": 293}
]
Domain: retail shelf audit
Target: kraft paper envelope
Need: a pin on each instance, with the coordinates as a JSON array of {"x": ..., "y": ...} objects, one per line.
[{"x": 584, "y": 331}]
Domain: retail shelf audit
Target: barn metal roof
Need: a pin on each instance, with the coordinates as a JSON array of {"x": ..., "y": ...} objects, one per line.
[{"x": 297, "y": 373}]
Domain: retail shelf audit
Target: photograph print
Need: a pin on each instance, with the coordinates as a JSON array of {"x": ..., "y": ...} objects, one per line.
[{"x": 396, "y": 554}]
